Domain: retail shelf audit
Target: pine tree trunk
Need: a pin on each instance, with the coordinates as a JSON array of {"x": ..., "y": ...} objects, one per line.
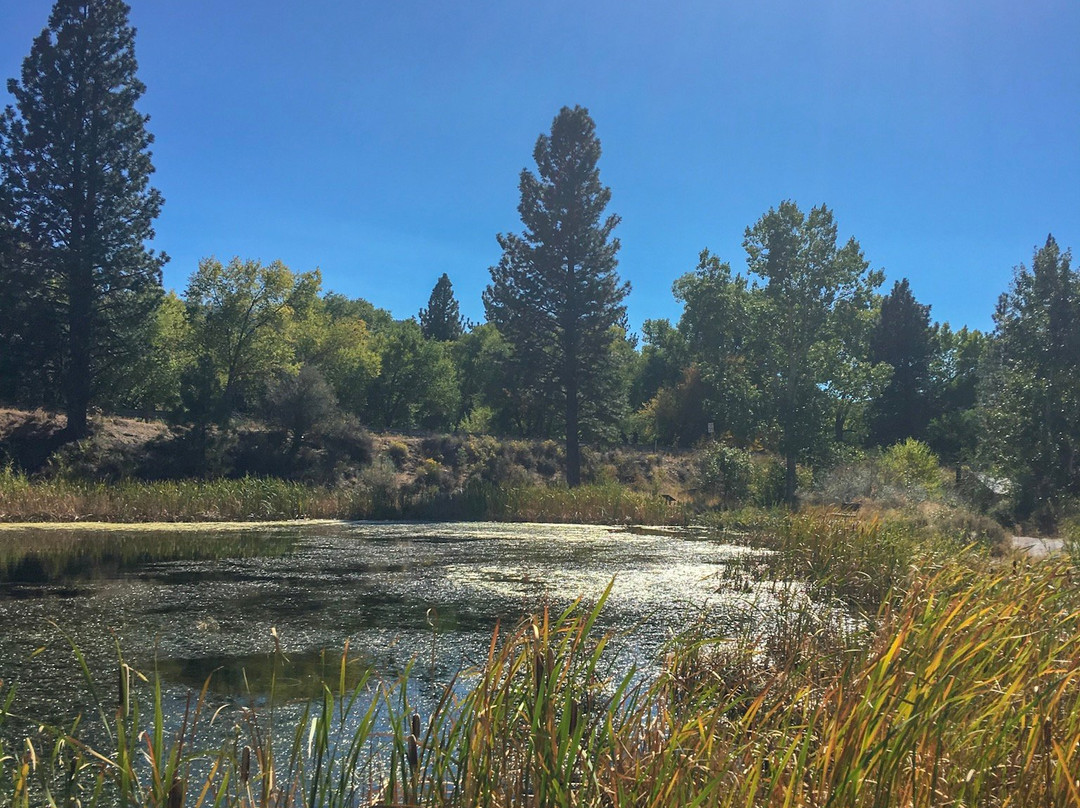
[
  {"x": 573, "y": 439},
  {"x": 79, "y": 341}
]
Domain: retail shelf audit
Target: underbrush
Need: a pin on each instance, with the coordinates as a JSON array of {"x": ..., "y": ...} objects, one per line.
[{"x": 964, "y": 690}]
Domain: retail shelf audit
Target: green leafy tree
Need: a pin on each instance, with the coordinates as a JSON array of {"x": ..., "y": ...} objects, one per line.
[
  {"x": 75, "y": 156},
  {"x": 243, "y": 317},
  {"x": 441, "y": 318},
  {"x": 555, "y": 294},
  {"x": 336, "y": 340},
  {"x": 480, "y": 358},
  {"x": 812, "y": 290},
  {"x": 902, "y": 338},
  {"x": 154, "y": 381},
  {"x": 955, "y": 373},
  {"x": 677, "y": 415},
  {"x": 663, "y": 357},
  {"x": 854, "y": 379},
  {"x": 341, "y": 307},
  {"x": 416, "y": 385},
  {"x": 720, "y": 323},
  {"x": 1033, "y": 398}
]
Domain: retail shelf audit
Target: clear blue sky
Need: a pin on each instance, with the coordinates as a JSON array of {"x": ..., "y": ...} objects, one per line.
[{"x": 382, "y": 141}]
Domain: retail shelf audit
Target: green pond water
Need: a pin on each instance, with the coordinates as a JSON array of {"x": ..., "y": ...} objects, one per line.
[{"x": 190, "y": 604}]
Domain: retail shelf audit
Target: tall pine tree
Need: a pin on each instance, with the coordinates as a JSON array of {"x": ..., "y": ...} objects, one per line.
[
  {"x": 74, "y": 154},
  {"x": 441, "y": 318},
  {"x": 902, "y": 337},
  {"x": 555, "y": 294}
]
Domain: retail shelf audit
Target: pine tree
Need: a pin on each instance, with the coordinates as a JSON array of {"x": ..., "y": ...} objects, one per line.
[
  {"x": 555, "y": 294},
  {"x": 1032, "y": 398},
  {"x": 441, "y": 320},
  {"x": 74, "y": 152},
  {"x": 902, "y": 338}
]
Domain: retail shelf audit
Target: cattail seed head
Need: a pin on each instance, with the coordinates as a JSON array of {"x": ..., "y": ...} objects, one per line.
[{"x": 245, "y": 764}]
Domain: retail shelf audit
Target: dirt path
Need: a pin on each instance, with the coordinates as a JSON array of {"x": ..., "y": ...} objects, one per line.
[{"x": 1037, "y": 548}]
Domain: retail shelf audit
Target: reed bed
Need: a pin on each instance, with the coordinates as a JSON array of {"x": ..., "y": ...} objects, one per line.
[
  {"x": 245, "y": 499},
  {"x": 605, "y": 504},
  {"x": 260, "y": 499},
  {"x": 963, "y": 690},
  {"x": 857, "y": 561}
]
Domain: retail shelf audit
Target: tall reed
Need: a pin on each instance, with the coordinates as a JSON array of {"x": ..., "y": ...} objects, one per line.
[{"x": 252, "y": 498}]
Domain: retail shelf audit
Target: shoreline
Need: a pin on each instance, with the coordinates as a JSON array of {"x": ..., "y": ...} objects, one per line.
[{"x": 179, "y": 526}]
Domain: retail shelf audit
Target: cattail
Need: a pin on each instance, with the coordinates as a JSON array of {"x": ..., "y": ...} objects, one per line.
[
  {"x": 176, "y": 793},
  {"x": 539, "y": 669},
  {"x": 413, "y": 753},
  {"x": 414, "y": 747},
  {"x": 123, "y": 704},
  {"x": 245, "y": 764}
]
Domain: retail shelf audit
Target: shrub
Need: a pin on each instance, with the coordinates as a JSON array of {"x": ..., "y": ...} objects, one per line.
[
  {"x": 398, "y": 452},
  {"x": 724, "y": 471},
  {"x": 768, "y": 477},
  {"x": 478, "y": 421},
  {"x": 912, "y": 464}
]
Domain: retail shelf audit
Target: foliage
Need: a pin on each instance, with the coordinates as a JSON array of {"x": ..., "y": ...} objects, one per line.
[
  {"x": 1032, "y": 404},
  {"x": 663, "y": 357},
  {"x": 911, "y": 464},
  {"x": 155, "y": 381},
  {"x": 725, "y": 471},
  {"x": 721, "y": 328},
  {"x": 555, "y": 295},
  {"x": 956, "y": 370},
  {"x": 75, "y": 162},
  {"x": 302, "y": 403},
  {"x": 676, "y": 414},
  {"x": 477, "y": 421},
  {"x": 337, "y": 340},
  {"x": 441, "y": 319},
  {"x": 481, "y": 358},
  {"x": 417, "y": 382},
  {"x": 903, "y": 339},
  {"x": 241, "y": 316},
  {"x": 815, "y": 297},
  {"x": 768, "y": 481}
]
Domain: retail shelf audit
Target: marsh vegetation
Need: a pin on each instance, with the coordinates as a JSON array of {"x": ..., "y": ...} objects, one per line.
[{"x": 885, "y": 664}]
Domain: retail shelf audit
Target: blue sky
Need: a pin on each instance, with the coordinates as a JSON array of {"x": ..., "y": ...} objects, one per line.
[{"x": 382, "y": 141}]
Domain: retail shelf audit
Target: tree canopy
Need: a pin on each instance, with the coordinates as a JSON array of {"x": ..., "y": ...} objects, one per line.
[
  {"x": 815, "y": 294},
  {"x": 75, "y": 158},
  {"x": 1033, "y": 397},
  {"x": 441, "y": 319},
  {"x": 903, "y": 339},
  {"x": 555, "y": 294}
]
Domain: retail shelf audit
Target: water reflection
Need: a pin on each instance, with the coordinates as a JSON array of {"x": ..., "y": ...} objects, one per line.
[{"x": 395, "y": 592}]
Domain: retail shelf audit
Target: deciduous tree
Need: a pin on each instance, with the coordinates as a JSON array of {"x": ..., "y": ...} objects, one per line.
[
  {"x": 812, "y": 289},
  {"x": 242, "y": 315}
]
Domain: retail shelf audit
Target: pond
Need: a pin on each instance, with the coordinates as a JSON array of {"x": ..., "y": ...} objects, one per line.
[{"x": 186, "y": 603}]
